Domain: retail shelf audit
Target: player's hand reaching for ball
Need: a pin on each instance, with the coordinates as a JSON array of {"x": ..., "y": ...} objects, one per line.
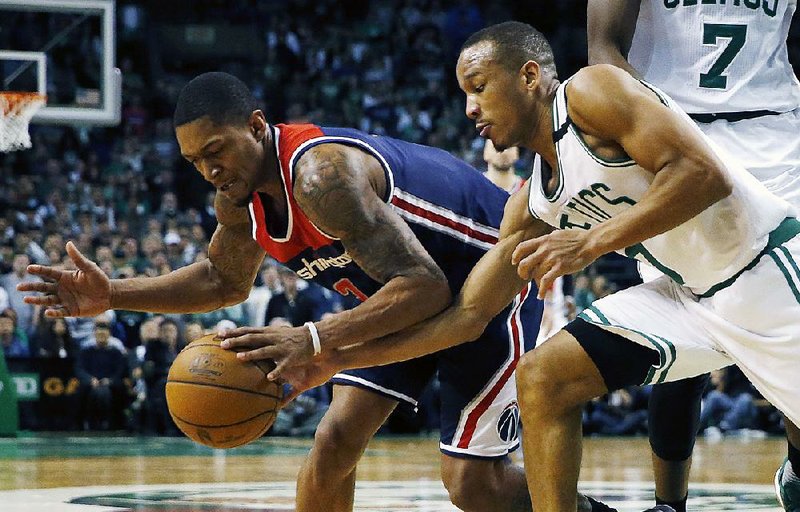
[
  {"x": 308, "y": 376},
  {"x": 286, "y": 346},
  {"x": 548, "y": 257},
  {"x": 85, "y": 291}
]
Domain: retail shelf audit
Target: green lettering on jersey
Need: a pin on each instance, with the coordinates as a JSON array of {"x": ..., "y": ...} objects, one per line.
[
  {"x": 714, "y": 79},
  {"x": 689, "y": 2},
  {"x": 752, "y": 4},
  {"x": 598, "y": 189},
  {"x": 566, "y": 224},
  {"x": 583, "y": 204},
  {"x": 771, "y": 11},
  {"x": 710, "y": 2},
  {"x": 671, "y": 4}
]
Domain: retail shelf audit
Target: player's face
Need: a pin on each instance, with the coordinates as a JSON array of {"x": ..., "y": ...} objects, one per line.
[
  {"x": 228, "y": 156},
  {"x": 497, "y": 99}
]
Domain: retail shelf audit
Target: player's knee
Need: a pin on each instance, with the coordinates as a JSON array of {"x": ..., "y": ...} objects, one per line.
[
  {"x": 540, "y": 387},
  {"x": 338, "y": 444},
  {"x": 468, "y": 484}
]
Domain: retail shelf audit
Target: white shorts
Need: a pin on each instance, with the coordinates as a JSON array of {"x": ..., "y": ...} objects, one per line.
[
  {"x": 767, "y": 146},
  {"x": 753, "y": 322}
]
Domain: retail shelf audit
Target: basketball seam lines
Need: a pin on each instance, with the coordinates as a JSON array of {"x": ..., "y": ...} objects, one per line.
[
  {"x": 271, "y": 411},
  {"x": 231, "y": 388}
]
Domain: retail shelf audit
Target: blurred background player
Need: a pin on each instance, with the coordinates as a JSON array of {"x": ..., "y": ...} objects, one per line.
[
  {"x": 500, "y": 167},
  {"x": 727, "y": 66}
]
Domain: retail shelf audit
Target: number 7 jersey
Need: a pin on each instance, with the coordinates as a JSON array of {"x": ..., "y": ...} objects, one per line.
[{"x": 718, "y": 56}]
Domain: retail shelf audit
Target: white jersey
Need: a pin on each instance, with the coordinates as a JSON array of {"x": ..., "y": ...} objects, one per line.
[
  {"x": 700, "y": 253},
  {"x": 718, "y": 56}
]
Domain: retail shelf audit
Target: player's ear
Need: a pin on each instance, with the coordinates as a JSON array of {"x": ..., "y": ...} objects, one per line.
[
  {"x": 531, "y": 73},
  {"x": 258, "y": 125}
]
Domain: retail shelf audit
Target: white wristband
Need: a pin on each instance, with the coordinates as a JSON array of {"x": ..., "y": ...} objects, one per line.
[{"x": 314, "y": 337}]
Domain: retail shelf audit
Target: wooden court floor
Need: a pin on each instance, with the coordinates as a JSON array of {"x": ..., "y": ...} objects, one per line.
[{"x": 43, "y": 462}]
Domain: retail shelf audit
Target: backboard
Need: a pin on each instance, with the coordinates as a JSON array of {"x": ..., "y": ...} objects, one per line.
[{"x": 66, "y": 50}]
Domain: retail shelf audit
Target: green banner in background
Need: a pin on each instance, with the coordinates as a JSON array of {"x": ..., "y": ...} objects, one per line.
[{"x": 9, "y": 415}]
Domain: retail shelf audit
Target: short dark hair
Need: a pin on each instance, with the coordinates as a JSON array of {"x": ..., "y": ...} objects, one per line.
[
  {"x": 515, "y": 43},
  {"x": 221, "y": 97}
]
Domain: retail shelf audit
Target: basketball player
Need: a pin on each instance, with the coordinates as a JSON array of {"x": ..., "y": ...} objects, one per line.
[
  {"x": 727, "y": 66},
  {"x": 398, "y": 226},
  {"x": 500, "y": 167},
  {"x": 619, "y": 167}
]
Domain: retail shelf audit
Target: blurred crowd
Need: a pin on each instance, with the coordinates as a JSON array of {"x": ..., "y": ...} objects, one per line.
[{"x": 132, "y": 204}]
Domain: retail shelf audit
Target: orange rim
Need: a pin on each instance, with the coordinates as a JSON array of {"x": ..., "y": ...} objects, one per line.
[{"x": 14, "y": 101}]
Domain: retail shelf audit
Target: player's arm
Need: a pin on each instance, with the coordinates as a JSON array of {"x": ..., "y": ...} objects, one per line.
[
  {"x": 490, "y": 287},
  {"x": 223, "y": 279},
  {"x": 610, "y": 28},
  {"x": 614, "y": 109},
  {"x": 339, "y": 188}
]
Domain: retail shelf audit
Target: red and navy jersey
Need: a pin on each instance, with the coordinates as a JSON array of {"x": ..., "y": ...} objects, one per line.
[{"x": 452, "y": 208}]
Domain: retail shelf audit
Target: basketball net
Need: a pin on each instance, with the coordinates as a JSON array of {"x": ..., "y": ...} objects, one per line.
[{"x": 16, "y": 111}]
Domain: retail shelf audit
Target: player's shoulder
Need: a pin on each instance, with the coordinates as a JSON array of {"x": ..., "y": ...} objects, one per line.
[
  {"x": 601, "y": 93},
  {"x": 597, "y": 82}
]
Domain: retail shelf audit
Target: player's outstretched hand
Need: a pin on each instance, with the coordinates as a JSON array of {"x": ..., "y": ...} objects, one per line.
[
  {"x": 548, "y": 257},
  {"x": 85, "y": 291},
  {"x": 287, "y": 346}
]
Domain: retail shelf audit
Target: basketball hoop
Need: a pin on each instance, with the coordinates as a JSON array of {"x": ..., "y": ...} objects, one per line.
[{"x": 16, "y": 111}]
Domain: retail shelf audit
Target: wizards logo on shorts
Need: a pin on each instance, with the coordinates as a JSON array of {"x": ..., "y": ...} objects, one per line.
[{"x": 508, "y": 424}]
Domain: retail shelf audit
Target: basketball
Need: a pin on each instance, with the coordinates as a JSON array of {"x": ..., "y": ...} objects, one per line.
[{"x": 217, "y": 400}]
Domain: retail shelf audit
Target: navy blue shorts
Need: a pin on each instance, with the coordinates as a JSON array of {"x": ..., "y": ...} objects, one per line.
[{"x": 479, "y": 415}]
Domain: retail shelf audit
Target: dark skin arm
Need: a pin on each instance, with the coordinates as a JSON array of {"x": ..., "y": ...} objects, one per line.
[
  {"x": 463, "y": 321},
  {"x": 619, "y": 115},
  {"x": 223, "y": 279},
  {"x": 339, "y": 188},
  {"x": 610, "y": 28}
]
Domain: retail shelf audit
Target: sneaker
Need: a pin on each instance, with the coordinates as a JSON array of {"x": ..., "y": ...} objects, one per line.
[
  {"x": 660, "y": 508},
  {"x": 788, "y": 492}
]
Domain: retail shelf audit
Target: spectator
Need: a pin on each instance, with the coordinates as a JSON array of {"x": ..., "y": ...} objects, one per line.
[
  {"x": 726, "y": 408},
  {"x": 267, "y": 284},
  {"x": 52, "y": 339},
  {"x": 12, "y": 338},
  {"x": 103, "y": 371},
  {"x": 10, "y": 281},
  {"x": 194, "y": 330},
  {"x": 160, "y": 341},
  {"x": 291, "y": 303}
]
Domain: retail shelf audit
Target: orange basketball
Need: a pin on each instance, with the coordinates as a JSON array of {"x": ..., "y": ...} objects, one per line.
[{"x": 217, "y": 400}]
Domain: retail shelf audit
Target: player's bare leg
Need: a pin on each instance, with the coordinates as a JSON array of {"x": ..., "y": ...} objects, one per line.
[
  {"x": 553, "y": 383},
  {"x": 671, "y": 478},
  {"x": 328, "y": 475},
  {"x": 476, "y": 485}
]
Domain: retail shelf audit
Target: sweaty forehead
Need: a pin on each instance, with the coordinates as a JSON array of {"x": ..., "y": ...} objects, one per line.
[{"x": 475, "y": 57}]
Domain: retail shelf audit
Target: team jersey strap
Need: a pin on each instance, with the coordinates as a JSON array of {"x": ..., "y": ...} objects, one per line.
[{"x": 561, "y": 120}]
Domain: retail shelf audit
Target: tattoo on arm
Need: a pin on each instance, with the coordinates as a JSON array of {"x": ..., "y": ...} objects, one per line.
[
  {"x": 233, "y": 253},
  {"x": 335, "y": 187}
]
